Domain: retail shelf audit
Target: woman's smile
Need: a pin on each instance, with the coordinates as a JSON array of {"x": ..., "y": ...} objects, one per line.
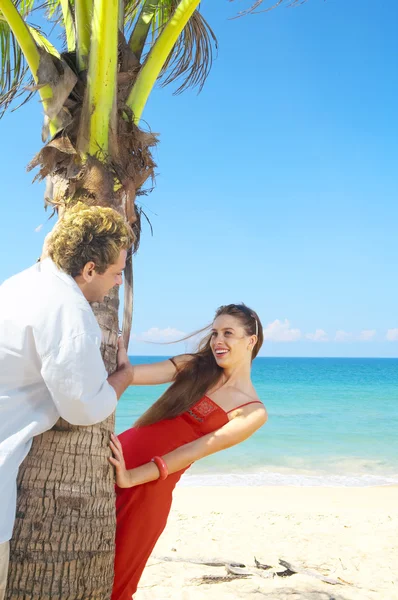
[{"x": 220, "y": 352}]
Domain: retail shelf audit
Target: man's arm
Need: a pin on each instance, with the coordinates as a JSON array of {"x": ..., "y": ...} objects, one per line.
[
  {"x": 77, "y": 380},
  {"x": 120, "y": 380}
]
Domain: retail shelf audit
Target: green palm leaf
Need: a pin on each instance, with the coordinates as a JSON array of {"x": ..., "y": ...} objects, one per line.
[
  {"x": 25, "y": 6},
  {"x": 189, "y": 61},
  {"x": 15, "y": 77},
  {"x": 192, "y": 56},
  {"x": 14, "y": 72},
  {"x": 57, "y": 12}
]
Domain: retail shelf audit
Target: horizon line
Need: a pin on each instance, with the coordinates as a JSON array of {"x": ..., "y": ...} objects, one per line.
[{"x": 282, "y": 356}]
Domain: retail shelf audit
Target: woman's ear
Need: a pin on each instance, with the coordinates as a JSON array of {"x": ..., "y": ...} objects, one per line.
[{"x": 253, "y": 342}]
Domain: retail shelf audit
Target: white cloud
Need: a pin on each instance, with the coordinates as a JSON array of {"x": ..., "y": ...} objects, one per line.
[
  {"x": 277, "y": 331},
  {"x": 342, "y": 336},
  {"x": 392, "y": 335},
  {"x": 155, "y": 334},
  {"x": 319, "y": 336},
  {"x": 367, "y": 335},
  {"x": 280, "y": 331}
]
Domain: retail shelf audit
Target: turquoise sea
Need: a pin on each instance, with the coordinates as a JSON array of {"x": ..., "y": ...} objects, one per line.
[{"x": 332, "y": 421}]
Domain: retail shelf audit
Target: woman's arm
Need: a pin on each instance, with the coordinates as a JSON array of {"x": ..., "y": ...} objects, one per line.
[
  {"x": 159, "y": 372},
  {"x": 247, "y": 421},
  {"x": 150, "y": 374}
]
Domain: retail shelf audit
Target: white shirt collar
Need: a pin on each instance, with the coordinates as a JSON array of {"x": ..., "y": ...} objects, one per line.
[{"x": 48, "y": 266}]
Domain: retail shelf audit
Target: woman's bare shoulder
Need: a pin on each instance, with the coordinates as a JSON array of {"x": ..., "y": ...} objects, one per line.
[
  {"x": 246, "y": 395},
  {"x": 231, "y": 397}
]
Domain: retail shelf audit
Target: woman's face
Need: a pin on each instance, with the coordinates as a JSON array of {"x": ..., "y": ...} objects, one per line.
[{"x": 229, "y": 342}]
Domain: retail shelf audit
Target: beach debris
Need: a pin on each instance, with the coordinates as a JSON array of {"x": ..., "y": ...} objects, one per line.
[
  {"x": 237, "y": 569},
  {"x": 291, "y": 570},
  {"x": 213, "y": 562},
  {"x": 240, "y": 570},
  {"x": 260, "y": 565},
  {"x": 214, "y": 579},
  {"x": 286, "y": 573},
  {"x": 341, "y": 580}
]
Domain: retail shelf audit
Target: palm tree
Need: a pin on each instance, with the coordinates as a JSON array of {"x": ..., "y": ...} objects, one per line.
[{"x": 93, "y": 93}]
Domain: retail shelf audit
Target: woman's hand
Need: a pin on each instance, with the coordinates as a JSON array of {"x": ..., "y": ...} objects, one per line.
[{"x": 123, "y": 478}]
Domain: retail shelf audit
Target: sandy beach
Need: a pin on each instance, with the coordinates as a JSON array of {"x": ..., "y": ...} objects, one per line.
[{"x": 349, "y": 535}]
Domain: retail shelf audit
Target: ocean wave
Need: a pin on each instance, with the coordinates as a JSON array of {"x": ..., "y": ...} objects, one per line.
[
  {"x": 298, "y": 415},
  {"x": 285, "y": 479}
]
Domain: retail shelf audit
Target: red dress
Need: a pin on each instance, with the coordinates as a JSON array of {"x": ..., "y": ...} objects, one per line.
[{"x": 142, "y": 511}]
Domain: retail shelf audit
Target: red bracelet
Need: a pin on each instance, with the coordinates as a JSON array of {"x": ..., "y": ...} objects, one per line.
[{"x": 161, "y": 465}]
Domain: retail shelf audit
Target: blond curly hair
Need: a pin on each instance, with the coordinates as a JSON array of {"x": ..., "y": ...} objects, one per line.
[{"x": 89, "y": 233}]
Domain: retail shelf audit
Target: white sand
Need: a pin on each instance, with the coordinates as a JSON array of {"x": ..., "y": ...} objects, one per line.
[{"x": 347, "y": 533}]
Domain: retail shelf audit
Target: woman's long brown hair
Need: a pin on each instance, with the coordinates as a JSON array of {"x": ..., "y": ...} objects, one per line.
[{"x": 201, "y": 373}]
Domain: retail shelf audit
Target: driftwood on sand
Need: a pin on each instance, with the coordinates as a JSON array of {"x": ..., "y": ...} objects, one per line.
[{"x": 237, "y": 569}]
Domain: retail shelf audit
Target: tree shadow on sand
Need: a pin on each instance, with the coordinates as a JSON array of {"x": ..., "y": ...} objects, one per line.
[
  {"x": 279, "y": 594},
  {"x": 292, "y": 594}
]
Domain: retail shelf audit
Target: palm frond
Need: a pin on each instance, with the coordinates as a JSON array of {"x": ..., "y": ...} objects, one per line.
[
  {"x": 42, "y": 41},
  {"x": 14, "y": 72},
  {"x": 255, "y": 8},
  {"x": 15, "y": 76},
  {"x": 143, "y": 24},
  {"x": 192, "y": 55},
  {"x": 131, "y": 10},
  {"x": 51, "y": 9},
  {"x": 62, "y": 13},
  {"x": 25, "y": 7},
  {"x": 57, "y": 12},
  {"x": 47, "y": 7}
]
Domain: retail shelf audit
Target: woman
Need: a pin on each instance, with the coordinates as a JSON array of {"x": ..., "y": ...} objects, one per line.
[{"x": 211, "y": 405}]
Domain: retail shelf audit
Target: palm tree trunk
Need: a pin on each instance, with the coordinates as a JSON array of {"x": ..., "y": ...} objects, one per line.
[{"x": 63, "y": 541}]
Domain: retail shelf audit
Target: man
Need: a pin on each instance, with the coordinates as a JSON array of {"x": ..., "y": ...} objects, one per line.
[{"x": 50, "y": 360}]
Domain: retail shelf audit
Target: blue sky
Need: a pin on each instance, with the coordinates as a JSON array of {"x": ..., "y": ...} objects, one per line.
[{"x": 276, "y": 186}]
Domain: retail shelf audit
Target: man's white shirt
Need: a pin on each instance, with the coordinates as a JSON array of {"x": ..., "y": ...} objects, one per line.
[{"x": 50, "y": 367}]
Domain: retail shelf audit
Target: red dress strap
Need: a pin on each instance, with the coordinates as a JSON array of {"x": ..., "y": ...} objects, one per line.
[{"x": 246, "y": 403}]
